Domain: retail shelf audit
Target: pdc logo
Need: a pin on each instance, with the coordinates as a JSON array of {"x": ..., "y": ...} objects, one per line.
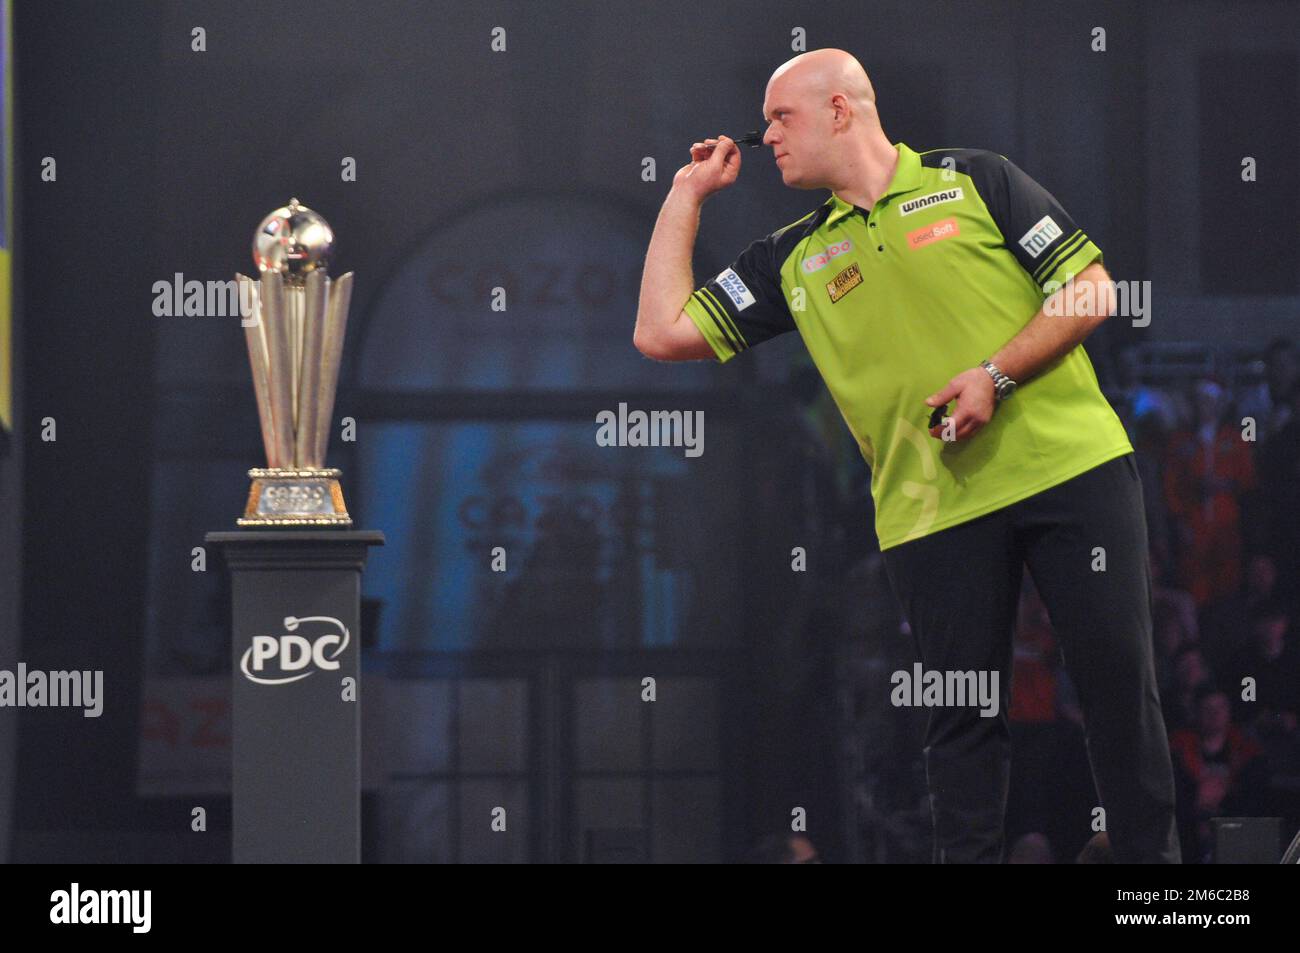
[{"x": 280, "y": 659}]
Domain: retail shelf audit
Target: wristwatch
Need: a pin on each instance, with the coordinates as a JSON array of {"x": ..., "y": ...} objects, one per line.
[{"x": 1003, "y": 386}]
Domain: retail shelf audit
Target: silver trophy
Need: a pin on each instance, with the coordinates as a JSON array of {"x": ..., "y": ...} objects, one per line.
[{"x": 295, "y": 347}]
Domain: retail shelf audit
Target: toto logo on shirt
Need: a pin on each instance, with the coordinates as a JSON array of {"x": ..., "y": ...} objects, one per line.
[
  {"x": 280, "y": 659},
  {"x": 740, "y": 295},
  {"x": 823, "y": 258},
  {"x": 1044, "y": 232}
]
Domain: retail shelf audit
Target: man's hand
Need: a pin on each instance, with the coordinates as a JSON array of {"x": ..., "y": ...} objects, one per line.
[
  {"x": 976, "y": 402},
  {"x": 714, "y": 165}
]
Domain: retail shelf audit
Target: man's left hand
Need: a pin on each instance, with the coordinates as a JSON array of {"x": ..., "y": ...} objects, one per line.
[{"x": 976, "y": 402}]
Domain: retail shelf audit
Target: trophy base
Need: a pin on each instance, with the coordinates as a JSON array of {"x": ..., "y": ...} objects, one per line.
[{"x": 283, "y": 497}]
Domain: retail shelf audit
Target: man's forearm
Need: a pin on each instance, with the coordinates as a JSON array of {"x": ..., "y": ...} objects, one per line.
[
  {"x": 667, "y": 280},
  {"x": 1049, "y": 336}
]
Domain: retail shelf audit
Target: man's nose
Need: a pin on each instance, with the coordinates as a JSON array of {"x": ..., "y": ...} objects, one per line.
[{"x": 768, "y": 138}]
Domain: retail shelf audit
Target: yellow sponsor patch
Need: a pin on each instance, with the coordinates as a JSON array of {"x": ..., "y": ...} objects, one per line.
[{"x": 844, "y": 282}]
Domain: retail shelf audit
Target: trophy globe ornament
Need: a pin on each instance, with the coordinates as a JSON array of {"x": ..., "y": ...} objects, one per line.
[
  {"x": 294, "y": 241},
  {"x": 294, "y": 334}
]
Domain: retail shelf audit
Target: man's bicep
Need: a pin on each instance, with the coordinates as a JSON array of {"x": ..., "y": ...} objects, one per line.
[
  {"x": 687, "y": 341},
  {"x": 743, "y": 305}
]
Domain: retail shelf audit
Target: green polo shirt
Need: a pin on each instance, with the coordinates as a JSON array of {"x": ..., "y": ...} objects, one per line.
[{"x": 894, "y": 301}]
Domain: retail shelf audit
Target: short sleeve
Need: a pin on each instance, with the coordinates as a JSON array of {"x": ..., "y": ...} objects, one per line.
[
  {"x": 743, "y": 305},
  {"x": 1038, "y": 231}
]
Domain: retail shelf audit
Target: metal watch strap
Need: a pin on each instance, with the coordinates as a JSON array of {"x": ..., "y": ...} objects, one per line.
[{"x": 1000, "y": 380}]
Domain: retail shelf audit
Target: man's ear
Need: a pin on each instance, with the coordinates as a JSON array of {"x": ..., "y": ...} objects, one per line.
[{"x": 840, "y": 103}]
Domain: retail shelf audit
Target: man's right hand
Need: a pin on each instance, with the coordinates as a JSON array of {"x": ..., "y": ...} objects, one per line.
[{"x": 714, "y": 165}]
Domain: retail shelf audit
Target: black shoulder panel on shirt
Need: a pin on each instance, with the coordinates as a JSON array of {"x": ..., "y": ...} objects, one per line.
[
  {"x": 985, "y": 169},
  {"x": 1036, "y": 229},
  {"x": 784, "y": 240},
  {"x": 933, "y": 158}
]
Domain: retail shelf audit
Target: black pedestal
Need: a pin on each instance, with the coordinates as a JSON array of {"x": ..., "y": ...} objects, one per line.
[{"x": 296, "y": 723}]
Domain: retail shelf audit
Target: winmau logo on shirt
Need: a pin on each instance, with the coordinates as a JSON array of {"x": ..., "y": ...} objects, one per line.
[{"x": 925, "y": 201}]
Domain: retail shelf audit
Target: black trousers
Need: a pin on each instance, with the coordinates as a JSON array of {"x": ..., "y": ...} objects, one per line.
[{"x": 958, "y": 589}]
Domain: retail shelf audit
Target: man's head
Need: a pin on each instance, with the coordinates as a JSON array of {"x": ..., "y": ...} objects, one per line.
[
  {"x": 1207, "y": 400},
  {"x": 1269, "y": 622},
  {"x": 1213, "y": 711},
  {"x": 821, "y": 114}
]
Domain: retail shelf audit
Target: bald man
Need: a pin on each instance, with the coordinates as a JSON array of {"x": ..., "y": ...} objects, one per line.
[{"x": 927, "y": 279}]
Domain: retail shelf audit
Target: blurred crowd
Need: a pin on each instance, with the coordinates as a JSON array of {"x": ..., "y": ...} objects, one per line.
[
  {"x": 1221, "y": 482},
  {"x": 1217, "y": 455}
]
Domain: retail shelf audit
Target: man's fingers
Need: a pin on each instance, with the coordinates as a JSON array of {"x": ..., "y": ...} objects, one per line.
[
  {"x": 713, "y": 171},
  {"x": 969, "y": 427},
  {"x": 702, "y": 150},
  {"x": 730, "y": 157},
  {"x": 958, "y": 424},
  {"x": 945, "y": 395}
]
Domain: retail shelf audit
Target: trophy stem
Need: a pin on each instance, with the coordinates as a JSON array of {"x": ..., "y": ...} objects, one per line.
[
  {"x": 336, "y": 322},
  {"x": 255, "y": 336},
  {"x": 316, "y": 298},
  {"x": 294, "y": 294},
  {"x": 274, "y": 312}
]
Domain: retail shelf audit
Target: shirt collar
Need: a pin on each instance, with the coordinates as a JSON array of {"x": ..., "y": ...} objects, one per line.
[{"x": 907, "y": 176}]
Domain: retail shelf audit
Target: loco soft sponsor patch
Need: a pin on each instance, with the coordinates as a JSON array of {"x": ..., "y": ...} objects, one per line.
[{"x": 736, "y": 290}]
